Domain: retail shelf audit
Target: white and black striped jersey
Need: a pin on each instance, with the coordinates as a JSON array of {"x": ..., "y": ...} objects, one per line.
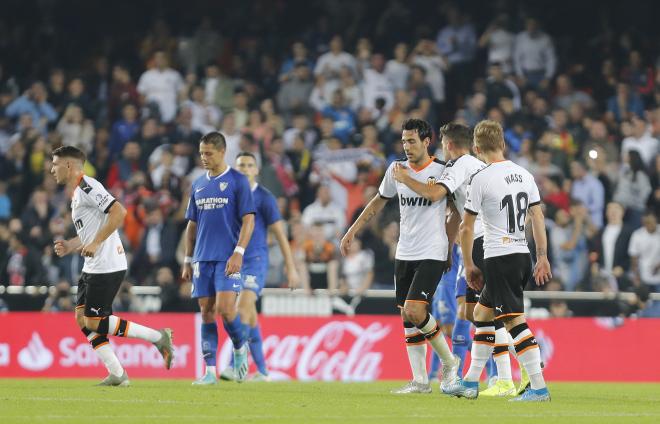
[
  {"x": 89, "y": 208},
  {"x": 502, "y": 192},
  {"x": 422, "y": 233},
  {"x": 455, "y": 179}
]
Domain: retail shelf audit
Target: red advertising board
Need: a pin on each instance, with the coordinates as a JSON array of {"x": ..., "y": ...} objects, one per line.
[{"x": 361, "y": 348}]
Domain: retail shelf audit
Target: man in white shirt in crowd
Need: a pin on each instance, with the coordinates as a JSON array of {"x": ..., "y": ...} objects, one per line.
[
  {"x": 534, "y": 56},
  {"x": 644, "y": 251},
  {"x": 330, "y": 63},
  {"x": 376, "y": 85},
  {"x": 641, "y": 140},
  {"x": 163, "y": 86},
  {"x": 325, "y": 212}
]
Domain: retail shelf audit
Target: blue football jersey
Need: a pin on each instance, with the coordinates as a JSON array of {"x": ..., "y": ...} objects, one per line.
[
  {"x": 218, "y": 204},
  {"x": 267, "y": 213}
]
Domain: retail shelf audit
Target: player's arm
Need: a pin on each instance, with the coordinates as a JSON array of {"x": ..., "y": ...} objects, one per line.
[
  {"x": 452, "y": 224},
  {"x": 236, "y": 260},
  {"x": 64, "y": 247},
  {"x": 116, "y": 215},
  {"x": 542, "y": 273},
  {"x": 291, "y": 272},
  {"x": 374, "y": 206},
  {"x": 472, "y": 273},
  {"x": 432, "y": 192},
  {"x": 189, "y": 248}
]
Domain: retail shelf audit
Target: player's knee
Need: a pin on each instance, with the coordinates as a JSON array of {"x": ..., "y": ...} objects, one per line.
[
  {"x": 225, "y": 312},
  {"x": 414, "y": 312},
  {"x": 80, "y": 320},
  {"x": 90, "y": 324}
]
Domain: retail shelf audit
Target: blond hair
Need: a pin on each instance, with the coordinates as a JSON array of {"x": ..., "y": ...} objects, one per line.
[{"x": 489, "y": 136}]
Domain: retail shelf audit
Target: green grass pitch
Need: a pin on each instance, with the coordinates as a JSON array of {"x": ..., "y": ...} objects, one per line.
[{"x": 164, "y": 401}]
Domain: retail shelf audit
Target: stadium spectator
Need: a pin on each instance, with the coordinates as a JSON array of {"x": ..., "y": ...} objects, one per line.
[
  {"x": 633, "y": 188},
  {"x": 397, "y": 69},
  {"x": 611, "y": 243},
  {"x": 499, "y": 41},
  {"x": 569, "y": 246},
  {"x": 122, "y": 91},
  {"x": 321, "y": 261},
  {"x": 624, "y": 104},
  {"x": 35, "y": 104},
  {"x": 326, "y": 213},
  {"x": 534, "y": 56},
  {"x": 162, "y": 86},
  {"x": 589, "y": 191},
  {"x": 644, "y": 251},
  {"x": 457, "y": 43},
  {"x": 641, "y": 140},
  {"x": 295, "y": 91},
  {"x": 329, "y": 64}
]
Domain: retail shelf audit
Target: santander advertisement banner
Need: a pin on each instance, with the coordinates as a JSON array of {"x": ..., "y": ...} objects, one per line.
[{"x": 361, "y": 348}]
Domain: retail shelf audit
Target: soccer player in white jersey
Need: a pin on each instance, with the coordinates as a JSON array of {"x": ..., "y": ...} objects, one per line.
[
  {"x": 456, "y": 142},
  {"x": 504, "y": 194},
  {"x": 97, "y": 216},
  {"x": 421, "y": 254}
]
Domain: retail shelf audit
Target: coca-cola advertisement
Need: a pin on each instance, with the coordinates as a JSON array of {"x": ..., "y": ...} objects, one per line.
[{"x": 338, "y": 348}]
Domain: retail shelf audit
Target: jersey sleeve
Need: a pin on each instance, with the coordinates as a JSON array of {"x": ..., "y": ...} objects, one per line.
[
  {"x": 452, "y": 177},
  {"x": 387, "y": 187},
  {"x": 473, "y": 197},
  {"x": 534, "y": 195},
  {"x": 97, "y": 195},
  {"x": 244, "y": 195},
  {"x": 191, "y": 210},
  {"x": 270, "y": 211}
]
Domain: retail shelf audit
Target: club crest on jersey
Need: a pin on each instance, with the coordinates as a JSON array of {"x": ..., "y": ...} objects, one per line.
[
  {"x": 431, "y": 181},
  {"x": 223, "y": 185}
]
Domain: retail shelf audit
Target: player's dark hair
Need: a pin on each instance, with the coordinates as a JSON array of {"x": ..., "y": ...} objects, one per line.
[
  {"x": 422, "y": 128},
  {"x": 246, "y": 154},
  {"x": 216, "y": 139},
  {"x": 459, "y": 134},
  {"x": 70, "y": 152}
]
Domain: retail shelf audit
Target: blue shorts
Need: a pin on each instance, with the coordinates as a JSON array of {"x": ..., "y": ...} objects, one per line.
[
  {"x": 209, "y": 278},
  {"x": 461, "y": 286},
  {"x": 444, "y": 301},
  {"x": 254, "y": 273}
]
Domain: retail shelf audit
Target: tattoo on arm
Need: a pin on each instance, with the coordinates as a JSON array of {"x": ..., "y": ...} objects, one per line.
[
  {"x": 368, "y": 217},
  {"x": 541, "y": 252}
]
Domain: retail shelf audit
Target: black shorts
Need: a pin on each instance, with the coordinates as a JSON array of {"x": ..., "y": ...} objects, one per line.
[
  {"x": 471, "y": 295},
  {"x": 417, "y": 280},
  {"x": 506, "y": 277},
  {"x": 96, "y": 292}
]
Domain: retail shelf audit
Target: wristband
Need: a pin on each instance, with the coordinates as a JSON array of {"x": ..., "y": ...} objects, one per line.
[
  {"x": 240, "y": 250},
  {"x": 187, "y": 260}
]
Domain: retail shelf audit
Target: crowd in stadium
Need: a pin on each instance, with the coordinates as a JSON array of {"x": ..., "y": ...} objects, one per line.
[{"x": 322, "y": 111}]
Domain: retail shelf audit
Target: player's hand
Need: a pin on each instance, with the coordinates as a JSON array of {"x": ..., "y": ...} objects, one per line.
[
  {"x": 234, "y": 264},
  {"x": 345, "y": 243},
  {"x": 542, "y": 273},
  {"x": 474, "y": 277},
  {"x": 186, "y": 273},
  {"x": 293, "y": 279},
  {"x": 90, "y": 249},
  {"x": 62, "y": 248},
  {"x": 400, "y": 172}
]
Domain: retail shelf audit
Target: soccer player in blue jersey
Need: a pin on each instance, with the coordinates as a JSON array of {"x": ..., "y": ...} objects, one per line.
[
  {"x": 221, "y": 217},
  {"x": 255, "y": 266}
]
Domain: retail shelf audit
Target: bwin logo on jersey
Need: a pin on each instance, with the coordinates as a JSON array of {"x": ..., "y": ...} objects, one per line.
[{"x": 414, "y": 201}]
